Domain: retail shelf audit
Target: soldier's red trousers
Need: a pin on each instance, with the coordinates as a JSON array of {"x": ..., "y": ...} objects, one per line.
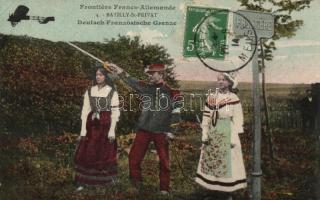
[{"x": 138, "y": 151}]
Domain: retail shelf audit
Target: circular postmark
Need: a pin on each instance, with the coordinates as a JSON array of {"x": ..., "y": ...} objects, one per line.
[{"x": 218, "y": 47}]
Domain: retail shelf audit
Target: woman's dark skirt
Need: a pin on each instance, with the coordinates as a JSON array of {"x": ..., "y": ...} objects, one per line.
[{"x": 96, "y": 157}]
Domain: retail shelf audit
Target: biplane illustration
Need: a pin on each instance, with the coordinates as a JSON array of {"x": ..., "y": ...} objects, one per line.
[{"x": 21, "y": 14}]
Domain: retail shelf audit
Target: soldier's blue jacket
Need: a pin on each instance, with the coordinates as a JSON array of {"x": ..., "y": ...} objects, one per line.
[{"x": 160, "y": 105}]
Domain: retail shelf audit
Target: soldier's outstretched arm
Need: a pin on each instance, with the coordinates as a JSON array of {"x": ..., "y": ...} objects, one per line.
[{"x": 129, "y": 80}]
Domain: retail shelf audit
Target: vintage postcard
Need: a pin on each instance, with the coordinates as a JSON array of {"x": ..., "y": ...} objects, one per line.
[{"x": 171, "y": 99}]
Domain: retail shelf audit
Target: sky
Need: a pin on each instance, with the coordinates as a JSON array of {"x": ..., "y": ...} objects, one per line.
[{"x": 295, "y": 61}]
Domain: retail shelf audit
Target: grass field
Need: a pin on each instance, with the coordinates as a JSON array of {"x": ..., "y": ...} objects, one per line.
[{"x": 42, "y": 168}]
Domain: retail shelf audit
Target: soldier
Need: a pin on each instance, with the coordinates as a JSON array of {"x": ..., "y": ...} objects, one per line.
[{"x": 160, "y": 114}]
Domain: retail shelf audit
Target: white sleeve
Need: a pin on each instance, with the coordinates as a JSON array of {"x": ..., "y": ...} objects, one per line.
[
  {"x": 238, "y": 118},
  {"x": 206, "y": 122},
  {"x": 84, "y": 114},
  {"x": 115, "y": 114}
]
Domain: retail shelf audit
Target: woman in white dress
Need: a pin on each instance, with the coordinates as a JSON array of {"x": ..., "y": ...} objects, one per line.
[{"x": 221, "y": 166}]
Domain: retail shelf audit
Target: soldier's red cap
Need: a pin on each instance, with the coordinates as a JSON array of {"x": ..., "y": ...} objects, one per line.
[{"x": 155, "y": 68}]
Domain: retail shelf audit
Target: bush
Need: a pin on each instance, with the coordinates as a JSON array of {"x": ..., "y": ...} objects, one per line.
[{"x": 42, "y": 82}]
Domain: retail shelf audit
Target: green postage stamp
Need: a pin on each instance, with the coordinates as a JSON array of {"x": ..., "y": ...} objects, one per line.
[{"x": 205, "y": 32}]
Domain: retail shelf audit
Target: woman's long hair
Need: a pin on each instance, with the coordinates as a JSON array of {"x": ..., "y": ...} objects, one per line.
[{"x": 107, "y": 79}]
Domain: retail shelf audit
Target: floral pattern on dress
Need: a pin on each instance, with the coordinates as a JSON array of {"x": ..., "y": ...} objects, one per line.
[{"x": 216, "y": 160}]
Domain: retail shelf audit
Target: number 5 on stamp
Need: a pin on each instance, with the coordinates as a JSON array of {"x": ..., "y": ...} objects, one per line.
[{"x": 205, "y": 34}]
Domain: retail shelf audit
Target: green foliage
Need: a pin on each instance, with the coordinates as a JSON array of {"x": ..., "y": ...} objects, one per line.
[
  {"x": 40, "y": 86},
  {"x": 42, "y": 82}
]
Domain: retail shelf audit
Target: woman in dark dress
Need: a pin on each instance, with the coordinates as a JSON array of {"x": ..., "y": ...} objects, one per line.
[{"x": 96, "y": 155}]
